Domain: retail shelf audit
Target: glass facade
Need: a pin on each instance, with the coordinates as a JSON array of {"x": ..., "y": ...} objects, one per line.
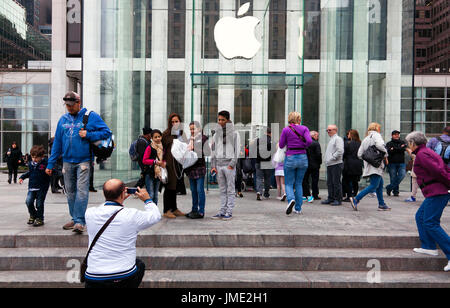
[
  {"x": 24, "y": 115},
  {"x": 343, "y": 62}
]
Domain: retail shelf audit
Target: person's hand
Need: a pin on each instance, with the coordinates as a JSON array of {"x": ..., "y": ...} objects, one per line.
[
  {"x": 83, "y": 133},
  {"x": 49, "y": 172},
  {"x": 142, "y": 194},
  {"x": 20, "y": 181},
  {"x": 213, "y": 170}
]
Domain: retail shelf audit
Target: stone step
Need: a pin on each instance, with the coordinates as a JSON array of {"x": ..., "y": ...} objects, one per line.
[
  {"x": 264, "y": 259},
  {"x": 239, "y": 279},
  {"x": 221, "y": 240}
]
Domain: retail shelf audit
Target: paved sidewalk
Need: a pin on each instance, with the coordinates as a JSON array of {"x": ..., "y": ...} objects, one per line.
[{"x": 249, "y": 217}]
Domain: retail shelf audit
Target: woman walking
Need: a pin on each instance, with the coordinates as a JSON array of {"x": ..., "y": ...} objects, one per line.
[
  {"x": 433, "y": 177},
  {"x": 375, "y": 174},
  {"x": 13, "y": 159},
  {"x": 352, "y": 165},
  {"x": 174, "y": 169},
  {"x": 296, "y": 138},
  {"x": 197, "y": 172}
]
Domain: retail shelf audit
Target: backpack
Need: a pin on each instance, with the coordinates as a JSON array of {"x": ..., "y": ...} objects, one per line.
[
  {"x": 102, "y": 149},
  {"x": 134, "y": 156},
  {"x": 443, "y": 149}
]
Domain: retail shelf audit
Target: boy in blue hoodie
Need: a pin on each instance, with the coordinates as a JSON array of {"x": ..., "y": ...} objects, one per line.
[
  {"x": 38, "y": 185},
  {"x": 72, "y": 142}
]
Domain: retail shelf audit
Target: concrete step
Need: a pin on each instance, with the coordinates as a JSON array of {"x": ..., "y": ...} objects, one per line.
[
  {"x": 239, "y": 279},
  {"x": 258, "y": 259},
  {"x": 68, "y": 239}
]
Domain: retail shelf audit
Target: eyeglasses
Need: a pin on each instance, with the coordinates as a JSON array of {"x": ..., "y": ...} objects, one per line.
[{"x": 330, "y": 130}]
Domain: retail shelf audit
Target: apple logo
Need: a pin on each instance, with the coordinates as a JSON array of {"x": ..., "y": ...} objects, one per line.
[{"x": 235, "y": 37}]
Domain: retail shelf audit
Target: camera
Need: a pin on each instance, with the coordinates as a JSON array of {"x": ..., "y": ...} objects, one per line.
[{"x": 132, "y": 190}]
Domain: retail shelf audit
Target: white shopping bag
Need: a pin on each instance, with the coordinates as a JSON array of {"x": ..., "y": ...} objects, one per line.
[
  {"x": 279, "y": 156},
  {"x": 182, "y": 155}
]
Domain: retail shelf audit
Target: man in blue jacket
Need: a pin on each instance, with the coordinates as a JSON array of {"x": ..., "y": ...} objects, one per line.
[{"x": 72, "y": 141}]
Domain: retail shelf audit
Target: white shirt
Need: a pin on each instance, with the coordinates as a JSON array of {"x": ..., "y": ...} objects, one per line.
[{"x": 115, "y": 250}]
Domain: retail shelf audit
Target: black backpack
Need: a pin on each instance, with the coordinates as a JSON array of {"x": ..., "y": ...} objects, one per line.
[{"x": 102, "y": 149}]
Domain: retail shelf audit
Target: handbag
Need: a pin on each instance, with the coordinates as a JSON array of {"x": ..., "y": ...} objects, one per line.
[
  {"x": 164, "y": 176},
  {"x": 83, "y": 266},
  {"x": 280, "y": 155},
  {"x": 373, "y": 156}
]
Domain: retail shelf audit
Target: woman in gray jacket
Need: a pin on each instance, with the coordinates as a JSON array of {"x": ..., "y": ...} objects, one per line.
[{"x": 374, "y": 173}]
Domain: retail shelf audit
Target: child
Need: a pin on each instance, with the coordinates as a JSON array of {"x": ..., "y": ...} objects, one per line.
[
  {"x": 415, "y": 186},
  {"x": 153, "y": 159},
  {"x": 37, "y": 186}
]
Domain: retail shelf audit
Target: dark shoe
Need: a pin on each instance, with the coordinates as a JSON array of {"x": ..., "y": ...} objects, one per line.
[
  {"x": 54, "y": 191},
  {"x": 326, "y": 202},
  {"x": 69, "y": 225},
  {"x": 290, "y": 207},
  {"x": 336, "y": 203},
  {"x": 240, "y": 195},
  {"x": 92, "y": 189},
  {"x": 396, "y": 194},
  {"x": 283, "y": 198},
  {"x": 9, "y": 181},
  {"x": 188, "y": 215},
  {"x": 38, "y": 222},
  {"x": 317, "y": 198},
  {"x": 258, "y": 197},
  {"x": 31, "y": 220},
  {"x": 346, "y": 200},
  {"x": 196, "y": 215},
  {"x": 388, "y": 191},
  {"x": 384, "y": 208}
]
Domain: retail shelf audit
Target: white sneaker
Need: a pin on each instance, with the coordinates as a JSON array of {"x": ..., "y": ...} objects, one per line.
[
  {"x": 298, "y": 212},
  {"x": 447, "y": 268},
  {"x": 426, "y": 251}
]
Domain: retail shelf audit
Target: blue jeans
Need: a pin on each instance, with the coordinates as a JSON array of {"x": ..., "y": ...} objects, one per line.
[
  {"x": 76, "y": 183},
  {"x": 428, "y": 220},
  {"x": 295, "y": 167},
  {"x": 152, "y": 186},
  {"x": 397, "y": 173},
  {"x": 38, "y": 196},
  {"x": 376, "y": 185},
  {"x": 198, "y": 195},
  {"x": 263, "y": 175}
]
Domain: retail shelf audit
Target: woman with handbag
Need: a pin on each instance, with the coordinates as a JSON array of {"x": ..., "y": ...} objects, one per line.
[
  {"x": 174, "y": 169},
  {"x": 197, "y": 172},
  {"x": 153, "y": 162},
  {"x": 296, "y": 138},
  {"x": 373, "y": 152}
]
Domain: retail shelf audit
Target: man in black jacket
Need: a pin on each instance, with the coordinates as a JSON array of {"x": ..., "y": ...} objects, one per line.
[
  {"x": 264, "y": 168},
  {"x": 396, "y": 157},
  {"x": 142, "y": 143},
  {"x": 314, "y": 152}
]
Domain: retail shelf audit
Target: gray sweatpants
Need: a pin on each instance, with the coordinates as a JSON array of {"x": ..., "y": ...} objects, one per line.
[{"x": 226, "y": 179}]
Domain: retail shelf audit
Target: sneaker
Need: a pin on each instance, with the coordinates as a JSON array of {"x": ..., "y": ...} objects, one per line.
[
  {"x": 240, "y": 195},
  {"x": 289, "y": 207},
  {"x": 388, "y": 191},
  {"x": 283, "y": 198},
  {"x": 429, "y": 252},
  {"x": 218, "y": 216},
  {"x": 411, "y": 199},
  {"x": 30, "y": 220},
  {"x": 78, "y": 228},
  {"x": 447, "y": 268},
  {"x": 258, "y": 196},
  {"x": 227, "y": 217},
  {"x": 298, "y": 212},
  {"x": 326, "y": 202},
  {"x": 384, "y": 208},
  {"x": 38, "y": 222},
  {"x": 266, "y": 197},
  {"x": 354, "y": 203},
  {"x": 304, "y": 199},
  {"x": 310, "y": 199},
  {"x": 336, "y": 203},
  {"x": 69, "y": 225},
  {"x": 372, "y": 195},
  {"x": 196, "y": 215}
]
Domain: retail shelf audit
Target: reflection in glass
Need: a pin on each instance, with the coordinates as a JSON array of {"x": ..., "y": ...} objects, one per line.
[
  {"x": 211, "y": 15},
  {"x": 177, "y": 29},
  {"x": 312, "y": 29},
  {"x": 243, "y": 99},
  {"x": 175, "y": 93},
  {"x": 277, "y": 29}
]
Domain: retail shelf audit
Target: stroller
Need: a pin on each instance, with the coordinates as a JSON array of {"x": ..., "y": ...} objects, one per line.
[{"x": 245, "y": 174}]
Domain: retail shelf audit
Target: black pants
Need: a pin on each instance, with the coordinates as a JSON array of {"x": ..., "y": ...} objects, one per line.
[
  {"x": 131, "y": 282},
  {"x": 350, "y": 185},
  {"x": 334, "y": 174},
  {"x": 314, "y": 175},
  {"x": 169, "y": 200},
  {"x": 12, "y": 169}
]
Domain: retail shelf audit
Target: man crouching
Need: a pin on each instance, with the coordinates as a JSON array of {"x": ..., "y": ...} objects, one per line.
[{"x": 112, "y": 261}]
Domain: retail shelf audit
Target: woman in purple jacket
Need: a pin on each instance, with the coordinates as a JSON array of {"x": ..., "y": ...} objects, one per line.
[
  {"x": 433, "y": 177},
  {"x": 296, "y": 138}
]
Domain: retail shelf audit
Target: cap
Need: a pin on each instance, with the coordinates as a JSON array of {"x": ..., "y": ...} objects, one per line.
[
  {"x": 71, "y": 98},
  {"x": 395, "y": 132}
]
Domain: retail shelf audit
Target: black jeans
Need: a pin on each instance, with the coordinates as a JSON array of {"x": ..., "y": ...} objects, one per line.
[
  {"x": 131, "y": 282},
  {"x": 12, "y": 169},
  {"x": 169, "y": 200},
  {"x": 334, "y": 174},
  {"x": 314, "y": 175},
  {"x": 350, "y": 185}
]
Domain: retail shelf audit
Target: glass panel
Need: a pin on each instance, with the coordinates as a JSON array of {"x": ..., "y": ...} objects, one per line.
[
  {"x": 38, "y": 114},
  {"x": 38, "y": 101},
  {"x": 406, "y": 92},
  {"x": 276, "y": 112},
  {"x": 277, "y": 29},
  {"x": 243, "y": 99},
  {"x": 13, "y": 125},
  {"x": 176, "y": 27},
  {"x": 175, "y": 93},
  {"x": 435, "y": 104},
  {"x": 310, "y": 113},
  {"x": 377, "y": 29},
  {"x": 12, "y": 113},
  {"x": 13, "y": 101},
  {"x": 406, "y": 104},
  {"x": 41, "y": 139},
  {"x": 211, "y": 15},
  {"x": 312, "y": 29},
  {"x": 434, "y": 128},
  {"x": 434, "y": 92},
  {"x": 435, "y": 116}
]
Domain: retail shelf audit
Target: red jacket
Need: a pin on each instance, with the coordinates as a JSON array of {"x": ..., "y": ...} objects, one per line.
[{"x": 433, "y": 176}]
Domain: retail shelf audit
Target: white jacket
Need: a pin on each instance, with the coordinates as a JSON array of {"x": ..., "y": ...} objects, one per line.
[
  {"x": 374, "y": 138},
  {"x": 115, "y": 250}
]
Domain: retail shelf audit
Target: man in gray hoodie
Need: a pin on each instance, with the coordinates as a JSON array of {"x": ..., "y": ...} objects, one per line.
[
  {"x": 224, "y": 156},
  {"x": 335, "y": 164}
]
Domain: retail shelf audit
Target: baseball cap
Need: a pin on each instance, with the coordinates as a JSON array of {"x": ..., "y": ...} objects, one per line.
[
  {"x": 395, "y": 132},
  {"x": 71, "y": 98}
]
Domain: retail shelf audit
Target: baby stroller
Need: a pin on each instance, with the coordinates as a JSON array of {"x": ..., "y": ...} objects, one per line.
[{"x": 247, "y": 172}]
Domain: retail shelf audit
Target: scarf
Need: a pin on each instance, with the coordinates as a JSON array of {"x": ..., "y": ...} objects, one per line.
[{"x": 159, "y": 155}]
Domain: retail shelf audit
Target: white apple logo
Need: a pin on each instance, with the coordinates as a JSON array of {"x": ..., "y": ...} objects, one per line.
[{"x": 235, "y": 37}]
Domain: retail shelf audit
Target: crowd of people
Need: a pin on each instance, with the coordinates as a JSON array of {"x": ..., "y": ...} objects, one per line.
[{"x": 347, "y": 160}]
